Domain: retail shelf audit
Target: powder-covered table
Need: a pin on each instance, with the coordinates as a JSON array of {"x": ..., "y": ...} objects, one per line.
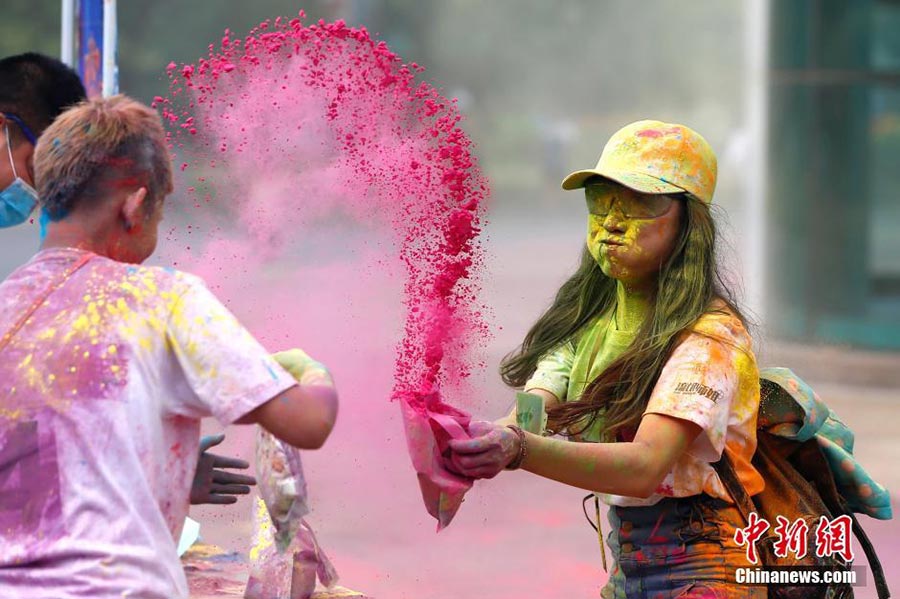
[{"x": 213, "y": 573}]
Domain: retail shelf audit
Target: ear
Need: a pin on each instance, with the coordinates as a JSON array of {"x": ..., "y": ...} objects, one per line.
[{"x": 132, "y": 211}]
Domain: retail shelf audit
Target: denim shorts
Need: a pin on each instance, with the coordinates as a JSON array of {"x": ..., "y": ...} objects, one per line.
[{"x": 679, "y": 548}]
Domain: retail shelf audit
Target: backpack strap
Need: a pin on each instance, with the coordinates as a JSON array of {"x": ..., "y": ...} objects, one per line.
[
  {"x": 817, "y": 471},
  {"x": 725, "y": 469},
  {"x": 874, "y": 563}
]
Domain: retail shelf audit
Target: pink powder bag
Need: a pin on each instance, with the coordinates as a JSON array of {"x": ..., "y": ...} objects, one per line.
[{"x": 427, "y": 435}]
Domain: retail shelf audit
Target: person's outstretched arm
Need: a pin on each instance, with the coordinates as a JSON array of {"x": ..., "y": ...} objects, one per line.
[
  {"x": 303, "y": 415},
  {"x": 693, "y": 395},
  {"x": 232, "y": 377},
  {"x": 635, "y": 468}
]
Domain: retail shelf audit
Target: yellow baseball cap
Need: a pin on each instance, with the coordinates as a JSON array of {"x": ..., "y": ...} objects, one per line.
[{"x": 655, "y": 157}]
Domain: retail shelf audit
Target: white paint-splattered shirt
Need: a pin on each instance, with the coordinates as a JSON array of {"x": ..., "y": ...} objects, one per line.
[
  {"x": 102, "y": 393},
  {"x": 711, "y": 379}
]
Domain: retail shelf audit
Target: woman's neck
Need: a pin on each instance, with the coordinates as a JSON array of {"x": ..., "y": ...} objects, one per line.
[{"x": 632, "y": 306}]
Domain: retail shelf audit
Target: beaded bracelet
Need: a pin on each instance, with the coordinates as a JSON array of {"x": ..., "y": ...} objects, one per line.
[{"x": 523, "y": 448}]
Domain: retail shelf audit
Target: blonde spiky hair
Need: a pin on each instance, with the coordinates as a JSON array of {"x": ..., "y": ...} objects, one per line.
[{"x": 99, "y": 146}]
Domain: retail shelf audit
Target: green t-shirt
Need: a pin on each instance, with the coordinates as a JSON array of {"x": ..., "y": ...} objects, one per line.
[{"x": 567, "y": 370}]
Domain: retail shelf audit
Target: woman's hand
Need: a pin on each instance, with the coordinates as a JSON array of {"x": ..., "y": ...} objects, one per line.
[{"x": 491, "y": 448}]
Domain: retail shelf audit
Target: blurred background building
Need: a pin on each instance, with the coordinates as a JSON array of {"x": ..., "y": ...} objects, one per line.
[{"x": 833, "y": 192}]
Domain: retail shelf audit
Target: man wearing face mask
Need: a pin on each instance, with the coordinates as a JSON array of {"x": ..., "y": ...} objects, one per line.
[{"x": 34, "y": 89}]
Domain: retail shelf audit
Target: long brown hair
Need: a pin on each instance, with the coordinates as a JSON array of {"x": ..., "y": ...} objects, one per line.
[{"x": 688, "y": 284}]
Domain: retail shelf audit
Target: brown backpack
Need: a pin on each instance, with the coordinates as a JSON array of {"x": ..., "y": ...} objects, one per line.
[{"x": 799, "y": 484}]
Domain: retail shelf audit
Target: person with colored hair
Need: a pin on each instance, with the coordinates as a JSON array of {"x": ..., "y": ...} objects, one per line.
[
  {"x": 108, "y": 367},
  {"x": 34, "y": 89},
  {"x": 644, "y": 359}
]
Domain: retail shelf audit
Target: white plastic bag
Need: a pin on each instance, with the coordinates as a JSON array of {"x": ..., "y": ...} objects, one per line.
[{"x": 286, "y": 558}]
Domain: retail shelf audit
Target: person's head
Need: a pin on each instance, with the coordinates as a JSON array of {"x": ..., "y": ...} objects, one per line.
[
  {"x": 650, "y": 228},
  {"x": 34, "y": 90},
  {"x": 103, "y": 170},
  {"x": 633, "y": 215}
]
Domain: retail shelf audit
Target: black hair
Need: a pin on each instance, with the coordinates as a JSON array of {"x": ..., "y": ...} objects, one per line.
[{"x": 37, "y": 88}]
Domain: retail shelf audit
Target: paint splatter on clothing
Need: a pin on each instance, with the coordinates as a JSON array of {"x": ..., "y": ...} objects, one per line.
[
  {"x": 677, "y": 549},
  {"x": 104, "y": 388},
  {"x": 711, "y": 379}
]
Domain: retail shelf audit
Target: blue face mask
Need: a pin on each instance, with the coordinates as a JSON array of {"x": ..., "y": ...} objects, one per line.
[
  {"x": 16, "y": 203},
  {"x": 18, "y": 199}
]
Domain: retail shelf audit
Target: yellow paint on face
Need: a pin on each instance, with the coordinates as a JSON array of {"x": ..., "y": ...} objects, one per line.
[
  {"x": 610, "y": 257},
  {"x": 631, "y": 250}
]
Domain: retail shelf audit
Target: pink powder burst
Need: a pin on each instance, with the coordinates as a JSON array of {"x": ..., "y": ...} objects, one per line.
[{"x": 295, "y": 124}]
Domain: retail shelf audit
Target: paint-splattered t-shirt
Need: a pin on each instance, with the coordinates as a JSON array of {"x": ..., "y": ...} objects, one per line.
[
  {"x": 711, "y": 379},
  {"x": 103, "y": 389}
]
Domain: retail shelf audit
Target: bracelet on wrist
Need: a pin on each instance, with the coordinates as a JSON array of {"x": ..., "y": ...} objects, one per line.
[{"x": 516, "y": 463}]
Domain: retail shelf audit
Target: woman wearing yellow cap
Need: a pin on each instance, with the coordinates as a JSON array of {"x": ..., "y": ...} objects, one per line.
[{"x": 644, "y": 358}]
